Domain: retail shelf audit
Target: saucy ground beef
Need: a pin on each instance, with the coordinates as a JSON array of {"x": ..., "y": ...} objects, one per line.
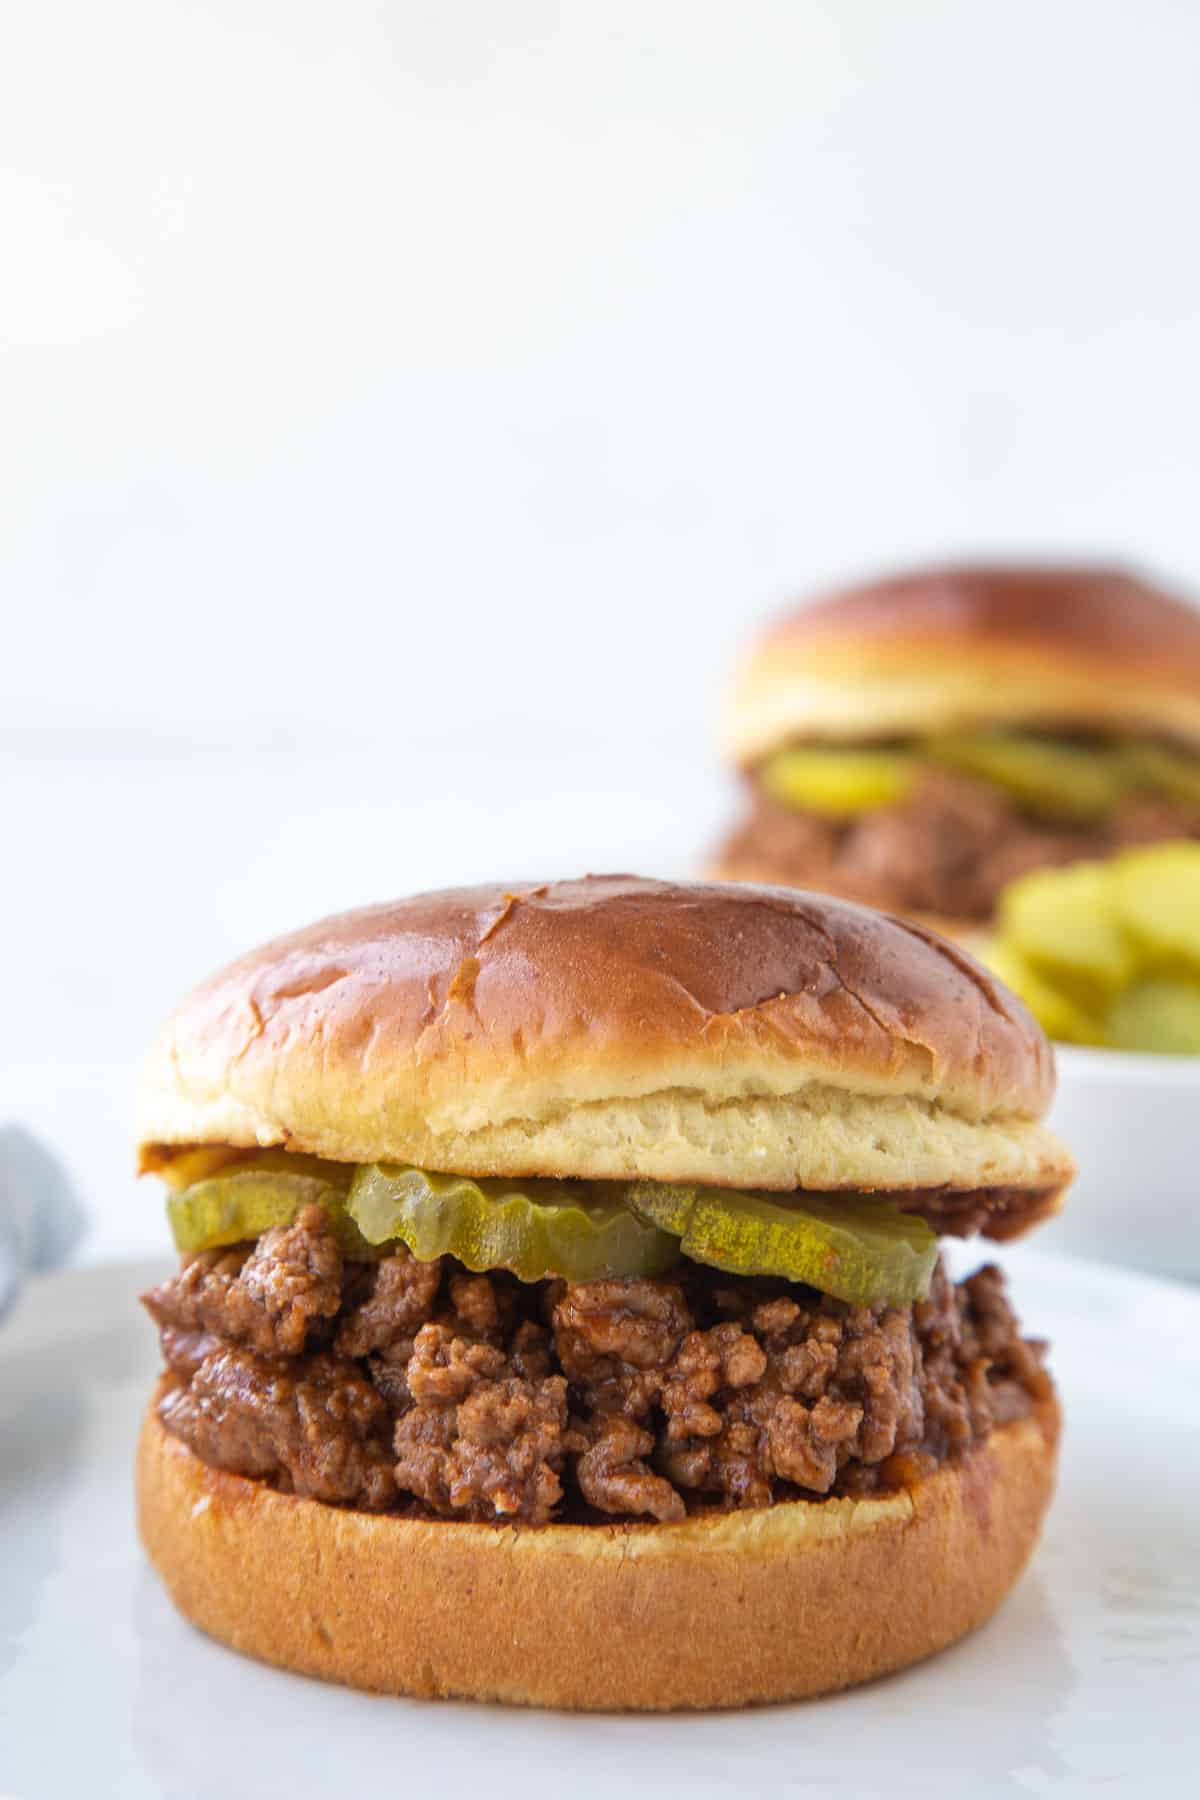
[
  {"x": 419, "y": 1387},
  {"x": 948, "y": 847}
]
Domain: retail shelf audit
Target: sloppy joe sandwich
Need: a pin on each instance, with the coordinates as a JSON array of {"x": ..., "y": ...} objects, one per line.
[
  {"x": 560, "y": 1317},
  {"x": 920, "y": 743}
]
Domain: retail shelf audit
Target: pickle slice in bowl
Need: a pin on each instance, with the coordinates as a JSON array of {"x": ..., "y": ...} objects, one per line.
[
  {"x": 855, "y": 1247},
  {"x": 1066, "y": 781},
  {"x": 534, "y": 1228},
  {"x": 1057, "y": 1013},
  {"x": 1159, "y": 1015},
  {"x": 1065, "y": 923},
  {"x": 1157, "y": 892},
  {"x": 838, "y": 783}
]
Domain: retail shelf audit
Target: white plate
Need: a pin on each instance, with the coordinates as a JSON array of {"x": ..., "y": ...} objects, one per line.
[
  {"x": 1088, "y": 1679},
  {"x": 1133, "y": 1125}
]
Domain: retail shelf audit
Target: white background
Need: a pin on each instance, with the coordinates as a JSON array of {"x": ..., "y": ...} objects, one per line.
[{"x": 405, "y": 410}]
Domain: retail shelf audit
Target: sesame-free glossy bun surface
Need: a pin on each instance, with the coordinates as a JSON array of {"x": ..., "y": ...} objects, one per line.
[
  {"x": 614, "y": 1028},
  {"x": 962, "y": 648},
  {"x": 787, "y": 1601}
]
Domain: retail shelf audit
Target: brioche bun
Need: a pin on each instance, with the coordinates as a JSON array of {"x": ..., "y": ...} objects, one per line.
[
  {"x": 617, "y": 1028},
  {"x": 723, "y": 1609},
  {"x": 962, "y": 648}
]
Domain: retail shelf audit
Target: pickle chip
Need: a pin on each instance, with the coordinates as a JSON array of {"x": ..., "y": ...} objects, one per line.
[
  {"x": 1172, "y": 772},
  {"x": 1056, "y": 1013},
  {"x": 241, "y": 1203},
  {"x": 534, "y": 1228},
  {"x": 838, "y": 783},
  {"x": 1108, "y": 953},
  {"x": 1160, "y": 1015},
  {"x": 1064, "y": 922},
  {"x": 1157, "y": 897},
  {"x": 1065, "y": 781},
  {"x": 854, "y": 1247}
]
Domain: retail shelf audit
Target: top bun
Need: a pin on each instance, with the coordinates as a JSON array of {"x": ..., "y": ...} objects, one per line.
[
  {"x": 947, "y": 649},
  {"x": 616, "y": 1028}
]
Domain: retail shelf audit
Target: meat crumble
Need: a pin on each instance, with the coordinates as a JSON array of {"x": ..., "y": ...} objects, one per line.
[
  {"x": 418, "y": 1387},
  {"x": 948, "y": 848}
]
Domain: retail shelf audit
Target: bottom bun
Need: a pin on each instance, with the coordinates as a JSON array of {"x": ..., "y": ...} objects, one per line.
[{"x": 724, "y": 1609}]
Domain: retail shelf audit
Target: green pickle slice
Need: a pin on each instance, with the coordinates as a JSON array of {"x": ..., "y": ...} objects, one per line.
[
  {"x": 1066, "y": 781},
  {"x": 1172, "y": 772},
  {"x": 243, "y": 1201},
  {"x": 1065, "y": 923},
  {"x": 1057, "y": 1014},
  {"x": 838, "y": 783},
  {"x": 1108, "y": 953},
  {"x": 1161, "y": 1016},
  {"x": 855, "y": 1247},
  {"x": 534, "y": 1228},
  {"x": 1157, "y": 897}
]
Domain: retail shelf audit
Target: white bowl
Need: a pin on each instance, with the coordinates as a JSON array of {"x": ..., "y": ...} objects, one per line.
[{"x": 1133, "y": 1125}]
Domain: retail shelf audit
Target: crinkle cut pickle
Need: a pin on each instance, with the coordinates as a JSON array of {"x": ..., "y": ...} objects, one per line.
[{"x": 857, "y": 1248}]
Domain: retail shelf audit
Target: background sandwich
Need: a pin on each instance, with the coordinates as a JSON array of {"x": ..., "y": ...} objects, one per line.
[{"x": 920, "y": 743}]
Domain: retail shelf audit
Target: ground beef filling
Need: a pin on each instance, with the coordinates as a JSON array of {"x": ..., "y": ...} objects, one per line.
[
  {"x": 417, "y": 1387},
  {"x": 949, "y": 847}
]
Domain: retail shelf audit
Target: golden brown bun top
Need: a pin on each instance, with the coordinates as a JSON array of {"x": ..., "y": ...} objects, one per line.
[
  {"x": 945, "y": 649},
  {"x": 616, "y": 1027}
]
